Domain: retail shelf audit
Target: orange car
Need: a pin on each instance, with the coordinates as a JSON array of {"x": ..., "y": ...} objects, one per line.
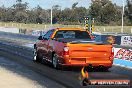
[{"x": 72, "y": 47}]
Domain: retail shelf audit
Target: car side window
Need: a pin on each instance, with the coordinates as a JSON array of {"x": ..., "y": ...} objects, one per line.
[{"x": 48, "y": 34}]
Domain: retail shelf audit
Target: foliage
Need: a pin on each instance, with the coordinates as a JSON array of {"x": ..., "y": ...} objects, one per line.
[
  {"x": 104, "y": 12},
  {"x": 128, "y": 11}
]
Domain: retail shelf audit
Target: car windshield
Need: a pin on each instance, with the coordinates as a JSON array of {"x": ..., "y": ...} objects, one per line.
[{"x": 72, "y": 34}]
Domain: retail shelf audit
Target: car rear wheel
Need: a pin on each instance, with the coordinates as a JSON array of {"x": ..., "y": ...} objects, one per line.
[
  {"x": 106, "y": 69},
  {"x": 55, "y": 61}
]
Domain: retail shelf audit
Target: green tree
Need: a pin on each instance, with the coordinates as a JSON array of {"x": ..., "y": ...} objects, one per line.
[
  {"x": 21, "y": 17},
  {"x": 9, "y": 15},
  {"x": 95, "y": 10},
  {"x": 104, "y": 11},
  {"x": 56, "y": 13},
  {"x": 74, "y": 5},
  {"x": 108, "y": 13},
  {"x": 20, "y": 10},
  {"x": 40, "y": 14},
  {"x": 2, "y": 13},
  {"x": 128, "y": 11}
]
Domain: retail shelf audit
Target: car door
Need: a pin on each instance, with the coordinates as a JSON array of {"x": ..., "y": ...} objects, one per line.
[{"x": 45, "y": 43}]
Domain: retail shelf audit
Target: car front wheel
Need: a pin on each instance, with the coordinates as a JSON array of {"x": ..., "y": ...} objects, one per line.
[{"x": 36, "y": 57}]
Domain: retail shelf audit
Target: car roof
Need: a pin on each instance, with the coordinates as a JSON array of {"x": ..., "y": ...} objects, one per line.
[{"x": 69, "y": 28}]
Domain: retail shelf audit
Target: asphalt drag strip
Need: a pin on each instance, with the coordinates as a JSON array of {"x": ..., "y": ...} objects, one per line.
[
  {"x": 69, "y": 78},
  {"x": 14, "y": 75}
]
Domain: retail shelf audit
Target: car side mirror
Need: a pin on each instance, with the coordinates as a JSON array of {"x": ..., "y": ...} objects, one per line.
[
  {"x": 45, "y": 38},
  {"x": 40, "y": 38},
  {"x": 53, "y": 38}
]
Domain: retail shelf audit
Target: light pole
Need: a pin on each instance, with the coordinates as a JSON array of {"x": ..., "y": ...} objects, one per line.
[
  {"x": 51, "y": 15},
  {"x": 122, "y": 16}
]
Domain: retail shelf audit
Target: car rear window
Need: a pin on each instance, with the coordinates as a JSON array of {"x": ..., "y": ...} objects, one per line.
[{"x": 72, "y": 34}]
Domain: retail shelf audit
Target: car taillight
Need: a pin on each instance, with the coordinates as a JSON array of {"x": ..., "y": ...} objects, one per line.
[
  {"x": 66, "y": 51},
  {"x": 112, "y": 54}
]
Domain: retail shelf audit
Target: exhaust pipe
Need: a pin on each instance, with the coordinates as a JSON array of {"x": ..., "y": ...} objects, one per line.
[
  {"x": 90, "y": 66},
  {"x": 101, "y": 68}
]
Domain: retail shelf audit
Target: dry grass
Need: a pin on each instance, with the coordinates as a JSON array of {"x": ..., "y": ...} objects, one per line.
[
  {"x": 127, "y": 29},
  {"x": 117, "y": 29}
]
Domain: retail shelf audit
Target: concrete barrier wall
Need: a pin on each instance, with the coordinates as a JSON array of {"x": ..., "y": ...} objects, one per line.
[
  {"x": 124, "y": 40},
  {"x": 11, "y": 30},
  {"x": 122, "y": 56},
  {"x": 117, "y": 39},
  {"x": 16, "y": 35}
]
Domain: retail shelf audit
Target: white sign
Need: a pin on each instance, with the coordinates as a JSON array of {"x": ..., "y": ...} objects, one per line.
[
  {"x": 38, "y": 32},
  {"x": 126, "y": 41},
  {"x": 124, "y": 54}
]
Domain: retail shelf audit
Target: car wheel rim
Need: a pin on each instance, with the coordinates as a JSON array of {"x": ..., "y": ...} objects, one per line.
[
  {"x": 54, "y": 62},
  {"x": 35, "y": 55}
]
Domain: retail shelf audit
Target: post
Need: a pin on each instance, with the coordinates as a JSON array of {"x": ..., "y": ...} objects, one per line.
[
  {"x": 45, "y": 26},
  {"x": 122, "y": 16},
  {"x": 0, "y": 24},
  {"x": 35, "y": 26},
  {"x": 5, "y": 25},
  {"x": 104, "y": 29},
  {"x": 20, "y": 25},
  {"x": 12, "y": 25},
  {"x": 98, "y": 30}
]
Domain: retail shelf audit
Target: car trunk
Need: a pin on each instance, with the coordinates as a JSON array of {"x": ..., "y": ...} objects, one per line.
[{"x": 89, "y": 51}]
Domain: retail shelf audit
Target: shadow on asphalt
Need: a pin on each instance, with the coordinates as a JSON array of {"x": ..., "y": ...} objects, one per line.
[{"x": 75, "y": 68}]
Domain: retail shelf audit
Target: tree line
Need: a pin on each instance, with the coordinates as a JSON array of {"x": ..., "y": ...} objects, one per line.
[{"x": 104, "y": 12}]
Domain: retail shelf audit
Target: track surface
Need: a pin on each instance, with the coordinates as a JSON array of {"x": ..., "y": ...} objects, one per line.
[
  {"x": 15, "y": 75},
  {"x": 69, "y": 77}
]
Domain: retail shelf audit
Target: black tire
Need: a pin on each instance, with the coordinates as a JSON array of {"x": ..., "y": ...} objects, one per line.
[
  {"x": 55, "y": 62},
  {"x": 106, "y": 69},
  {"x": 36, "y": 57},
  {"x": 43, "y": 60}
]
